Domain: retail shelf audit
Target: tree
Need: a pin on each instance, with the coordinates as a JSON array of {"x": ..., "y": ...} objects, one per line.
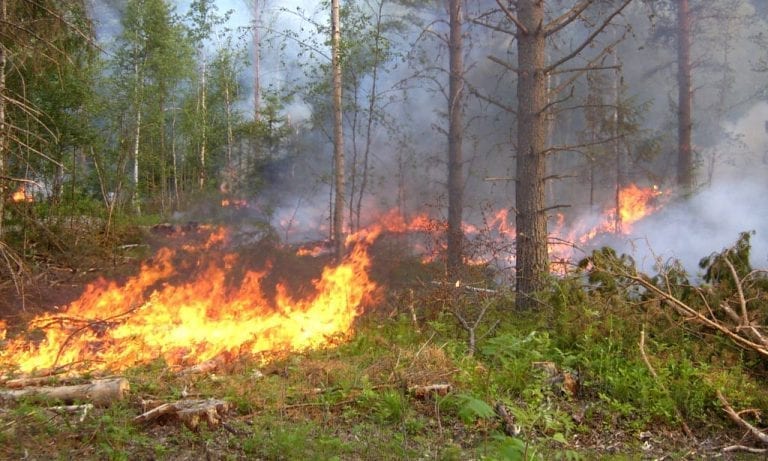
[
  {"x": 534, "y": 104},
  {"x": 684, "y": 99},
  {"x": 204, "y": 20},
  {"x": 338, "y": 132},
  {"x": 154, "y": 51},
  {"x": 37, "y": 39},
  {"x": 455, "y": 137}
]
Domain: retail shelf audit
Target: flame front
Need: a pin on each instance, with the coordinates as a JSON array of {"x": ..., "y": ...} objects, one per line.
[{"x": 160, "y": 313}]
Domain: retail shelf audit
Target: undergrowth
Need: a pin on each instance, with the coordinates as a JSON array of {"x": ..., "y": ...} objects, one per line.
[{"x": 356, "y": 401}]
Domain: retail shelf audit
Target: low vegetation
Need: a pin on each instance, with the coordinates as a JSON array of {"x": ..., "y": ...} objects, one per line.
[{"x": 607, "y": 367}]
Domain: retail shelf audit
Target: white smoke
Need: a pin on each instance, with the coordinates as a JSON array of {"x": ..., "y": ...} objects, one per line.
[
  {"x": 707, "y": 222},
  {"x": 736, "y": 200}
]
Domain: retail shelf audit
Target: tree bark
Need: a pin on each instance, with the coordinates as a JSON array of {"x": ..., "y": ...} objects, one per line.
[
  {"x": 531, "y": 222},
  {"x": 685, "y": 99},
  {"x": 455, "y": 136},
  {"x": 100, "y": 392},
  {"x": 338, "y": 133},
  {"x": 3, "y": 127}
]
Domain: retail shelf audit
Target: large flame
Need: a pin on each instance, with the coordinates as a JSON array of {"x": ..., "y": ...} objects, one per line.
[{"x": 193, "y": 313}]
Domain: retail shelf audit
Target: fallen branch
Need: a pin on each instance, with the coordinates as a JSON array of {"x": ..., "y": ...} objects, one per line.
[
  {"x": 733, "y": 448},
  {"x": 693, "y": 313},
  {"x": 189, "y": 412},
  {"x": 757, "y": 433},
  {"x": 507, "y": 420},
  {"x": 82, "y": 409},
  {"x": 100, "y": 392}
]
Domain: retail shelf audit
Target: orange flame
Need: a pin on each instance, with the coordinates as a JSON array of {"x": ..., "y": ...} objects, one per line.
[
  {"x": 155, "y": 315},
  {"x": 21, "y": 195},
  {"x": 636, "y": 203},
  {"x": 233, "y": 203}
]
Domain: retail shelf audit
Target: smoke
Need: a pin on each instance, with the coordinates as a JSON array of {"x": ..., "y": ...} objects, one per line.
[{"x": 708, "y": 222}]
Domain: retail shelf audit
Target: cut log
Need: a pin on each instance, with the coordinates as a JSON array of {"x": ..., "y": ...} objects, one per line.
[
  {"x": 189, "y": 412},
  {"x": 51, "y": 380},
  {"x": 432, "y": 390},
  {"x": 100, "y": 392}
]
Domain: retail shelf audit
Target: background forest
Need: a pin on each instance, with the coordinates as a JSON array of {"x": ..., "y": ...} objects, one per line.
[{"x": 587, "y": 165}]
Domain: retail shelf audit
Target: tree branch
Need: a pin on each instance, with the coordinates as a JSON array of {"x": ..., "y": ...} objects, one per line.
[
  {"x": 512, "y": 17},
  {"x": 566, "y": 18},
  {"x": 588, "y": 40}
]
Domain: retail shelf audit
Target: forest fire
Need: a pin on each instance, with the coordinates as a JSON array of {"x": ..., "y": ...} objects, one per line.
[
  {"x": 187, "y": 306},
  {"x": 198, "y": 302},
  {"x": 22, "y": 196}
]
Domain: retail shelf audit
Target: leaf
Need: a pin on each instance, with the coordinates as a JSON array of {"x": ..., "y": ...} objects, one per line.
[
  {"x": 559, "y": 438},
  {"x": 473, "y": 408}
]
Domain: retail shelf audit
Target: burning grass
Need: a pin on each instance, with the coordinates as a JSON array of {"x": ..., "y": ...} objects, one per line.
[{"x": 191, "y": 304}]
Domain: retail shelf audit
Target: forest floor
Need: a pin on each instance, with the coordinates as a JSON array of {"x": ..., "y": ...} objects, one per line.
[{"x": 536, "y": 388}]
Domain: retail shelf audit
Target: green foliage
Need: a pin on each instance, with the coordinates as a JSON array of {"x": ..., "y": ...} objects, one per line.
[
  {"x": 471, "y": 408},
  {"x": 716, "y": 268}
]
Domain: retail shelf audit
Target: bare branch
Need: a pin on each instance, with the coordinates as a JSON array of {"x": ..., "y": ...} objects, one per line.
[
  {"x": 475, "y": 92},
  {"x": 554, "y": 103},
  {"x": 757, "y": 433},
  {"x": 588, "y": 40},
  {"x": 566, "y": 18},
  {"x": 503, "y": 64},
  {"x": 492, "y": 27},
  {"x": 553, "y": 207},
  {"x": 512, "y": 17},
  {"x": 583, "y": 69}
]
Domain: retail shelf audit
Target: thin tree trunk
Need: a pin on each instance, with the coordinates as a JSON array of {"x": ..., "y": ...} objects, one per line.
[
  {"x": 685, "y": 97},
  {"x": 531, "y": 223},
  {"x": 136, "y": 139},
  {"x": 204, "y": 119},
  {"x": 338, "y": 133},
  {"x": 230, "y": 133},
  {"x": 352, "y": 179},
  {"x": 617, "y": 122},
  {"x": 256, "y": 60},
  {"x": 455, "y": 136},
  {"x": 173, "y": 156},
  {"x": 371, "y": 107},
  {"x": 3, "y": 127}
]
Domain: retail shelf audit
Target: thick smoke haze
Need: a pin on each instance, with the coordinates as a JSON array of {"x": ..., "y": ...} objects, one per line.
[
  {"x": 708, "y": 222},
  {"x": 730, "y": 139},
  {"x": 734, "y": 201}
]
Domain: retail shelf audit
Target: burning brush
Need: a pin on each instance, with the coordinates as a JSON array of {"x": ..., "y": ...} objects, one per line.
[{"x": 191, "y": 305}]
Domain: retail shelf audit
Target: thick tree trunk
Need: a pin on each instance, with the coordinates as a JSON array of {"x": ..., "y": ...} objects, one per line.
[
  {"x": 685, "y": 97},
  {"x": 338, "y": 133},
  {"x": 455, "y": 136},
  {"x": 531, "y": 222}
]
